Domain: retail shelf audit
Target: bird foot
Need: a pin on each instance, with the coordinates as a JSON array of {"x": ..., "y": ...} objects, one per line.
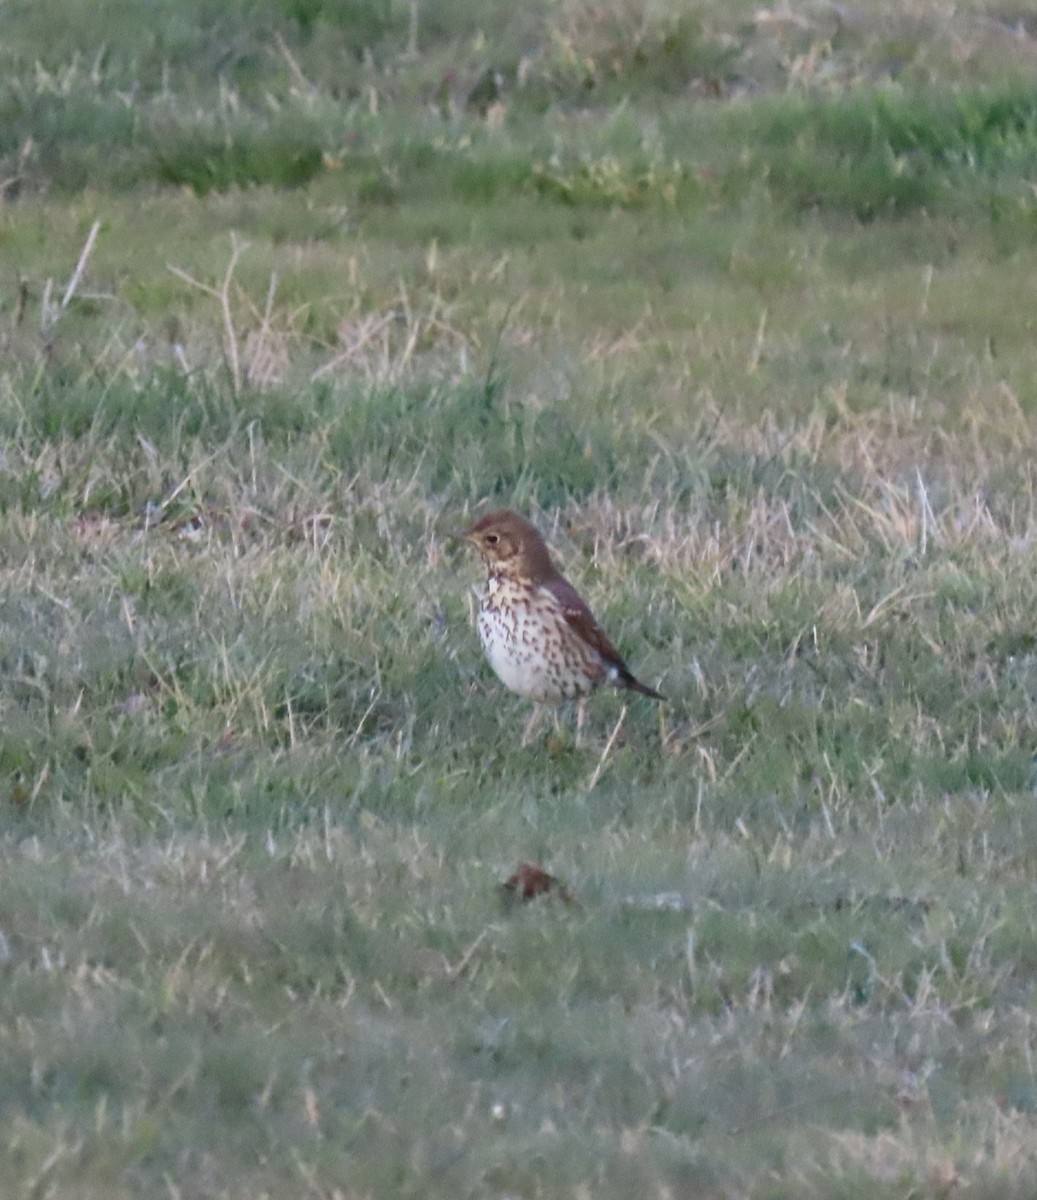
[{"x": 532, "y": 723}]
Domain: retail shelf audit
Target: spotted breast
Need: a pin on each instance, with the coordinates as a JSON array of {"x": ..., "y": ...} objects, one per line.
[{"x": 531, "y": 646}]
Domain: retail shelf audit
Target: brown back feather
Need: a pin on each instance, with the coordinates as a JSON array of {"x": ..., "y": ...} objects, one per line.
[{"x": 580, "y": 617}]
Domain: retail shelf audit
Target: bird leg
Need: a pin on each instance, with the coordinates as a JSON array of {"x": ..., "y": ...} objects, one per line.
[
  {"x": 534, "y": 721},
  {"x": 581, "y": 716}
]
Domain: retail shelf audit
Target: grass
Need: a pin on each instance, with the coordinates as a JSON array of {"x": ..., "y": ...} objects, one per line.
[{"x": 738, "y": 310}]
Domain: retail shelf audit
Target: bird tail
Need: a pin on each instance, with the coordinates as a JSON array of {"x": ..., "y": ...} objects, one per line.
[{"x": 635, "y": 685}]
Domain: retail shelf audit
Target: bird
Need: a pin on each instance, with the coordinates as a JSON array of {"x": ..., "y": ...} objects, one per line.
[{"x": 540, "y": 637}]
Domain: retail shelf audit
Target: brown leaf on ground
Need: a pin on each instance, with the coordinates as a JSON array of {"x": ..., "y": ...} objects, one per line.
[{"x": 531, "y": 880}]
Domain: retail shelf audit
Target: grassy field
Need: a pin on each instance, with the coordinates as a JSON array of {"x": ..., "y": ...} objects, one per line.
[{"x": 739, "y": 304}]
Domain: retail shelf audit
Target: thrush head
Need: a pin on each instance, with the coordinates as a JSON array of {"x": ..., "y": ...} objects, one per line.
[{"x": 510, "y": 546}]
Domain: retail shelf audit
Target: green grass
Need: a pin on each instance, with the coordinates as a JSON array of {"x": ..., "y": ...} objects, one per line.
[{"x": 739, "y": 310}]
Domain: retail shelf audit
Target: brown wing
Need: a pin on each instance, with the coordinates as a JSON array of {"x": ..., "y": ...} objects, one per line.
[{"x": 580, "y": 617}]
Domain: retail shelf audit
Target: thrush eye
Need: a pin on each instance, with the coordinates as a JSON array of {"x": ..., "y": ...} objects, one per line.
[{"x": 492, "y": 539}]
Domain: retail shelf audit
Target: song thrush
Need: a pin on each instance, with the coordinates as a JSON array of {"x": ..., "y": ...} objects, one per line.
[{"x": 540, "y": 637}]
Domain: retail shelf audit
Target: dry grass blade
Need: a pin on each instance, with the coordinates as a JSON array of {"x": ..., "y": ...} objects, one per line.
[
  {"x": 599, "y": 769},
  {"x": 223, "y": 298},
  {"x": 51, "y": 313}
]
